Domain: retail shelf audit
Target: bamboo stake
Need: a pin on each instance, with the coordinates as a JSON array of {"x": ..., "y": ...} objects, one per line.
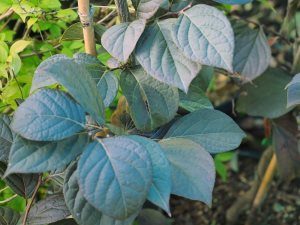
[{"x": 88, "y": 29}]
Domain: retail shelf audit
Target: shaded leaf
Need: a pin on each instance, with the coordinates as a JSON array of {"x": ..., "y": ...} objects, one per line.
[
  {"x": 204, "y": 27},
  {"x": 293, "y": 91},
  {"x": 151, "y": 102},
  {"x": 120, "y": 40},
  {"x": 193, "y": 170},
  {"x": 115, "y": 176},
  {"x": 48, "y": 115},
  {"x": 8, "y": 216},
  {"x": 6, "y": 137},
  {"x": 211, "y": 129},
  {"x": 151, "y": 216},
  {"x": 65, "y": 222},
  {"x": 159, "y": 56},
  {"x": 147, "y": 8}
]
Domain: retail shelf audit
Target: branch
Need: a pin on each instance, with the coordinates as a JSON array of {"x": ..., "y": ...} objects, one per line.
[
  {"x": 6, "y": 14},
  {"x": 88, "y": 29},
  {"x": 123, "y": 10}
]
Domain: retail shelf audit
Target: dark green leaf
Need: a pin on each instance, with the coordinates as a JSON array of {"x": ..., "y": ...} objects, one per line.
[
  {"x": 151, "y": 217},
  {"x": 151, "y": 102},
  {"x": 293, "y": 91},
  {"x": 48, "y": 115},
  {"x": 193, "y": 170},
  {"x": 8, "y": 216},
  {"x": 6, "y": 137},
  {"x": 108, "y": 86},
  {"x": 65, "y": 222},
  {"x": 211, "y": 129}
]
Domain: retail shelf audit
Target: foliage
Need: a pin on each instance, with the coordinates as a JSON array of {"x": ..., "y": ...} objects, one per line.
[{"x": 159, "y": 139}]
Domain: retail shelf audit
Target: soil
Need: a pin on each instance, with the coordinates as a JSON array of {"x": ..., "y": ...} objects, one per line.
[{"x": 280, "y": 207}]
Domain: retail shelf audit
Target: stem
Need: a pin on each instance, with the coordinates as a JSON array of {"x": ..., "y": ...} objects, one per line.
[
  {"x": 88, "y": 29},
  {"x": 9, "y": 199},
  {"x": 28, "y": 207},
  {"x": 123, "y": 10}
]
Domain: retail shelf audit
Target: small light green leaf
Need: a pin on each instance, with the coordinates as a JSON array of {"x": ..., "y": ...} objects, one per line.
[
  {"x": 108, "y": 86},
  {"x": 120, "y": 40},
  {"x": 76, "y": 78},
  {"x": 19, "y": 46},
  {"x": 293, "y": 91},
  {"x": 146, "y": 8},
  {"x": 266, "y": 95},
  {"x": 160, "y": 57},
  {"x": 48, "y": 115},
  {"x": 3, "y": 54},
  {"x": 151, "y": 103},
  {"x": 204, "y": 35},
  {"x": 73, "y": 32},
  {"x": 49, "y": 4},
  {"x": 8, "y": 216},
  {"x": 252, "y": 53},
  {"x": 37, "y": 157},
  {"x": 211, "y": 129},
  {"x": 160, "y": 189},
  {"x": 193, "y": 170},
  {"x": 115, "y": 175}
]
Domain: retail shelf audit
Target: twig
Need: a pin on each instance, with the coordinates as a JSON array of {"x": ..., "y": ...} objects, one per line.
[
  {"x": 6, "y": 14},
  {"x": 28, "y": 207},
  {"x": 106, "y": 17},
  {"x": 3, "y": 189},
  {"x": 88, "y": 29}
]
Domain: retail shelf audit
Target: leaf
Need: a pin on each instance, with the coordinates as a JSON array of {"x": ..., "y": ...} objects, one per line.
[
  {"x": 108, "y": 86},
  {"x": 252, "y": 53},
  {"x": 178, "y": 5},
  {"x": 151, "y": 217},
  {"x": 19, "y": 46},
  {"x": 147, "y": 8},
  {"x": 3, "y": 54},
  {"x": 211, "y": 129},
  {"x": 76, "y": 78},
  {"x": 48, "y": 115},
  {"x": 151, "y": 102},
  {"x": 160, "y": 189},
  {"x": 8, "y": 216},
  {"x": 120, "y": 40},
  {"x": 115, "y": 176},
  {"x": 37, "y": 157},
  {"x": 50, "y": 4},
  {"x": 81, "y": 210},
  {"x": 293, "y": 91},
  {"x": 49, "y": 210},
  {"x": 160, "y": 57},
  {"x": 204, "y": 35},
  {"x": 6, "y": 137},
  {"x": 233, "y": 2},
  {"x": 65, "y": 222},
  {"x": 72, "y": 33},
  {"x": 21, "y": 184},
  {"x": 110, "y": 221},
  {"x": 266, "y": 95},
  {"x": 193, "y": 170}
]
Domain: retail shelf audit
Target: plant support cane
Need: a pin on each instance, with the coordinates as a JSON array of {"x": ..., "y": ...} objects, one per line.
[{"x": 86, "y": 19}]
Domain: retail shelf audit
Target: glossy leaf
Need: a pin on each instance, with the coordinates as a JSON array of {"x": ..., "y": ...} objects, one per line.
[
  {"x": 193, "y": 171},
  {"x": 8, "y": 216},
  {"x": 147, "y": 8},
  {"x": 160, "y": 57},
  {"x": 37, "y": 157},
  {"x": 233, "y": 2},
  {"x": 268, "y": 88},
  {"x": 6, "y": 137},
  {"x": 293, "y": 91},
  {"x": 120, "y": 40},
  {"x": 48, "y": 115},
  {"x": 115, "y": 176},
  {"x": 211, "y": 129},
  {"x": 76, "y": 78},
  {"x": 160, "y": 189},
  {"x": 252, "y": 53},
  {"x": 205, "y": 35},
  {"x": 151, "y": 102},
  {"x": 48, "y": 210},
  {"x": 108, "y": 86}
]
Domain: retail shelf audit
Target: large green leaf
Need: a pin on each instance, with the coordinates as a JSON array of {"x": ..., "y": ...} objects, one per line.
[
  {"x": 6, "y": 137},
  {"x": 115, "y": 176},
  {"x": 8, "y": 216},
  {"x": 233, "y": 2},
  {"x": 293, "y": 91},
  {"x": 49, "y": 210},
  {"x": 146, "y": 8},
  {"x": 76, "y": 78},
  {"x": 151, "y": 102},
  {"x": 252, "y": 53},
  {"x": 120, "y": 40},
  {"x": 193, "y": 171},
  {"x": 205, "y": 35},
  {"x": 211, "y": 129},
  {"x": 108, "y": 86},
  {"x": 37, "y": 157},
  {"x": 160, "y": 189},
  {"x": 266, "y": 96},
  {"x": 48, "y": 115},
  {"x": 160, "y": 57}
]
